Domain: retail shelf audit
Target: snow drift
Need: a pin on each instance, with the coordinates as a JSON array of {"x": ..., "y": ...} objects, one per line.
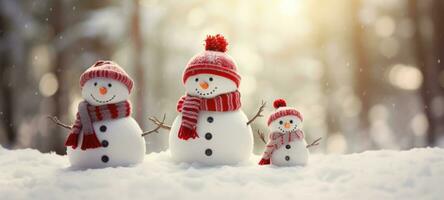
[{"x": 413, "y": 174}]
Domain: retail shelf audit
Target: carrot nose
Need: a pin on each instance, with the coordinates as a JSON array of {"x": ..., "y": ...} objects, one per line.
[
  {"x": 103, "y": 90},
  {"x": 204, "y": 85},
  {"x": 287, "y": 125}
]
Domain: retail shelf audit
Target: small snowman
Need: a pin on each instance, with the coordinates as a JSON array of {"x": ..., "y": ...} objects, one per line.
[
  {"x": 286, "y": 145},
  {"x": 104, "y": 133},
  {"x": 211, "y": 128}
]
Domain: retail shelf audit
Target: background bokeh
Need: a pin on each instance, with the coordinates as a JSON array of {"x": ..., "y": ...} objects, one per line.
[{"x": 366, "y": 74}]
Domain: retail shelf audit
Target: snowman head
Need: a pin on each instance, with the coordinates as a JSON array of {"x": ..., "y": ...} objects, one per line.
[
  {"x": 286, "y": 124},
  {"x": 101, "y": 91},
  {"x": 211, "y": 72},
  {"x": 105, "y": 83},
  {"x": 284, "y": 119},
  {"x": 208, "y": 85}
]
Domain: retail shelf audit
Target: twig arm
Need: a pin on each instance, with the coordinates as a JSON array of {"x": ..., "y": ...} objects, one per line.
[
  {"x": 160, "y": 124},
  {"x": 155, "y": 130},
  {"x": 314, "y": 143},
  {"x": 59, "y": 123},
  {"x": 258, "y": 114},
  {"x": 261, "y": 136}
]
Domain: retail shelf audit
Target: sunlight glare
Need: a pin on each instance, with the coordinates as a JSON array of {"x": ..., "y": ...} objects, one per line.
[
  {"x": 289, "y": 7},
  {"x": 405, "y": 77}
]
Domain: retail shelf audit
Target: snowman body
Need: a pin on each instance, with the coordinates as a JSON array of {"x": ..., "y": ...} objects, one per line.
[
  {"x": 291, "y": 154},
  {"x": 122, "y": 145},
  {"x": 216, "y": 136},
  {"x": 224, "y": 138},
  {"x": 286, "y": 145},
  {"x": 120, "y": 138}
]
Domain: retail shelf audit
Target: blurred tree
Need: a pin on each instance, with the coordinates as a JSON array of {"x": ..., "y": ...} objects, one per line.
[
  {"x": 13, "y": 61},
  {"x": 6, "y": 91},
  {"x": 58, "y": 22},
  {"x": 430, "y": 87},
  {"x": 137, "y": 41},
  {"x": 438, "y": 63},
  {"x": 362, "y": 72}
]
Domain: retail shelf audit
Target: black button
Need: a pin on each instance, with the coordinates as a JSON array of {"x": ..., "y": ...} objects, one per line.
[
  {"x": 208, "y": 136},
  {"x": 287, "y": 158},
  {"x": 210, "y": 119},
  {"x": 105, "y": 143},
  {"x": 208, "y": 152},
  {"x": 103, "y": 128},
  {"x": 287, "y": 146},
  {"x": 105, "y": 159}
]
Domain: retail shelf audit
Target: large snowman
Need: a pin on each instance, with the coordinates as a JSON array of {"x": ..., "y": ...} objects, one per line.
[
  {"x": 104, "y": 133},
  {"x": 286, "y": 145},
  {"x": 211, "y": 128}
]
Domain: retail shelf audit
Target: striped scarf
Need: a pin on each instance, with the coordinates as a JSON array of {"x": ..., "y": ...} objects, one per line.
[
  {"x": 190, "y": 107},
  {"x": 87, "y": 115},
  {"x": 277, "y": 139}
]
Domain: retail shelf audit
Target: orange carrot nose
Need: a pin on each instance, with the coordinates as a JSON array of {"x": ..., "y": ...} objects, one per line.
[
  {"x": 287, "y": 125},
  {"x": 103, "y": 90},
  {"x": 204, "y": 85}
]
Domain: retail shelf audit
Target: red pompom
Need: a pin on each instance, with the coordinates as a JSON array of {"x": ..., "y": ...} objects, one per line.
[
  {"x": 216, "y": 43},
  {"x": 279, "y": 103}
]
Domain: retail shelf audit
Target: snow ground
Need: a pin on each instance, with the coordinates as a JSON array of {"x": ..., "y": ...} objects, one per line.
[{"x": 414, "y": 174}]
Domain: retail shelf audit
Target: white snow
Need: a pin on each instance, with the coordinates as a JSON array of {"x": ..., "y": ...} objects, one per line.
[{"x": 414, "y": 174}]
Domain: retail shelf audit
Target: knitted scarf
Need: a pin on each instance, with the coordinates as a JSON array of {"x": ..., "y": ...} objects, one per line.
[
  {"x": 87, "y": 115},
  {"x": 190, "y": 106},
  {"x": 277, "y": 139}
]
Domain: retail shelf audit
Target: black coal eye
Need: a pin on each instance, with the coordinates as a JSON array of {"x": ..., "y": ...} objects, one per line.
[
  {"x": 196, "y": 79},
  {"x": 211, "y": 78},
  {"x": 110, "y": 85},
  {"x": 281, "y": 122},
  {"x": 291, "y": 121},
  {"x": 95, "y": 83}
]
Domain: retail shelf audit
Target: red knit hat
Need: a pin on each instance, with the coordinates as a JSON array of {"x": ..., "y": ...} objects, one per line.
[
  {"x": 213, "y": 60},
  {"x": 107, "y": 69},
  {"x": 283, "y": 110}
]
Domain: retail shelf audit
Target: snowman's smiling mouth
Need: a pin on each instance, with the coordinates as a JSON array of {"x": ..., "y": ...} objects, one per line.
[
  {"x": 206, "y": 93},
  {"x": 287, "y": 131},
  {"x": 105, "y": 101}
]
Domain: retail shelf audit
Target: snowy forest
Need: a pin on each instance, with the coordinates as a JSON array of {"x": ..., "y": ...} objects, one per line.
[{"x": 366, "y": 74}]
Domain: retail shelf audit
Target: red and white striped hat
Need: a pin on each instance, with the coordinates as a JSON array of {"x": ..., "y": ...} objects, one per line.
[
  {"x": 282, "y": 110},
  {"x": 213, "y": 60},
  {"x": 107, "y": 69}
]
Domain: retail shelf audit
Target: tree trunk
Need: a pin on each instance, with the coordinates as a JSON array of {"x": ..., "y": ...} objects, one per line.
[
  {"x": 6, "y": 92},
  {"x": 11, "y": 60},
  {"x": 438, "y": 64},
  {"x": 138, "y": 66},
  {"x": 427, "y": 89},
  {"x": 362, "y": 72},
  {"x": 60, "y": 97}
]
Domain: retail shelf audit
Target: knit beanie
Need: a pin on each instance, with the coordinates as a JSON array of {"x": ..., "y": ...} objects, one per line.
[
  {"x": 107, "y": 69},
  {"x": 213, "y": 60},
  {"x": 282, "y": 110}
]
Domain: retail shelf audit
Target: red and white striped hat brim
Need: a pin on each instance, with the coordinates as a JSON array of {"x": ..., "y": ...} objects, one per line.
[
  {"x": 284, "y": 111},
  {"x": 107, "y": 69}
]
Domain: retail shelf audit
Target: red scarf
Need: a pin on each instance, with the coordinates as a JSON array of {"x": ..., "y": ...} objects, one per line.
[
  {"x": 87, "y": 114},
  {"x": 278, "y": 139},
  {"x": 190, "y": 106}
]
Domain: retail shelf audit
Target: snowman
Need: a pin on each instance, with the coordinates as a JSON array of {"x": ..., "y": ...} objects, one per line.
[
  {"x": 286, "y": 145},
  {"x": 104, "y": 133},
  {"x": 211, "y": 128}
]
